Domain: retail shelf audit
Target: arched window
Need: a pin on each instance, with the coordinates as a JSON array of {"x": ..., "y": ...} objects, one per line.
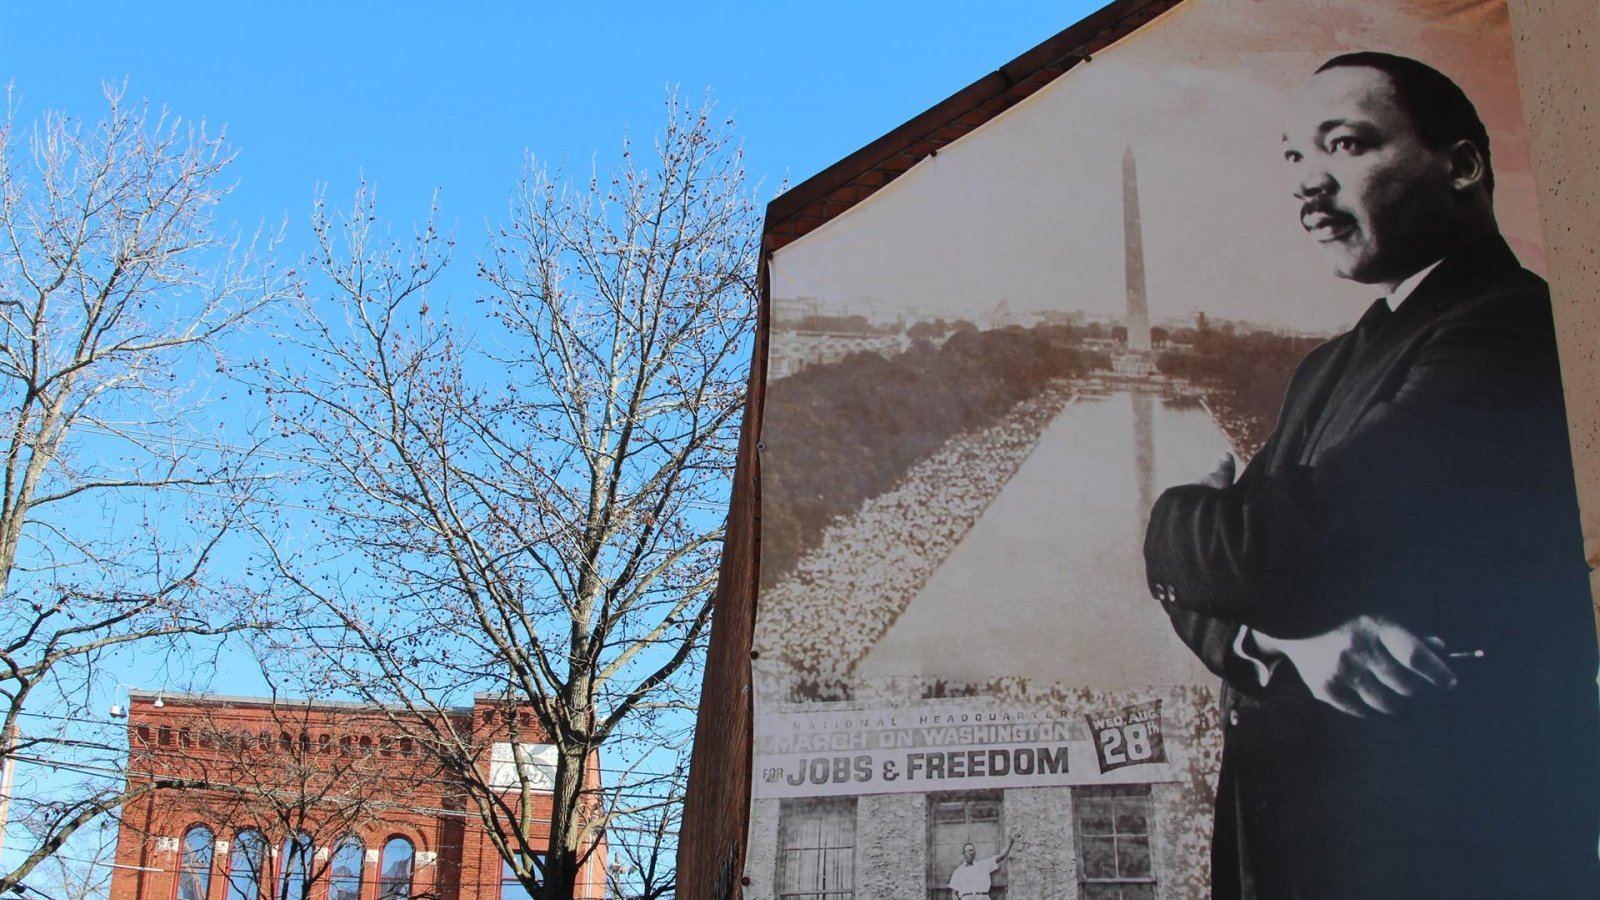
[
  {"x": 245, "y": 867},
  {"x": 344, "y": 872},
  {"x": 294, "y": 870},
  {"x": 194, "y": 870},
  {"x": 394, "y": 873}
]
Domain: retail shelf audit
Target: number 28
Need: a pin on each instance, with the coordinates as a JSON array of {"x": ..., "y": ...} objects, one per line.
[{"x": 1137, "y": 737}]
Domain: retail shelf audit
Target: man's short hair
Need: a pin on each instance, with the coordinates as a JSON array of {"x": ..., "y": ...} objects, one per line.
[{"x": 1437, "y": 107}]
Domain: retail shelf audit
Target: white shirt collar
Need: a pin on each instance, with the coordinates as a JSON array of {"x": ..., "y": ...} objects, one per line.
[{"x": 1404, "y": 288}]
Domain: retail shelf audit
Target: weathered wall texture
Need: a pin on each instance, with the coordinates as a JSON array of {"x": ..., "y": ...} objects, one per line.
[
  {"x": 1044, "y": 862},
  {"x": 1558, "y": 62},
  {"x": 761, "y": 863},
  {"x": 891, "y": 868}
]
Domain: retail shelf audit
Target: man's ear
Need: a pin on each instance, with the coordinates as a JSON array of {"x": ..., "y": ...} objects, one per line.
[{"x": 1467, "y": 167}]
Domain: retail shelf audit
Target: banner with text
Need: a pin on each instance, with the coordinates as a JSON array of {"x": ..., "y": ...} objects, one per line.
[{"x": 964, "y": 747}]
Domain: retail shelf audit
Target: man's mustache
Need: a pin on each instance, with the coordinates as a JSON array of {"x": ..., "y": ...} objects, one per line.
[{"x": 1318, "y": 211}]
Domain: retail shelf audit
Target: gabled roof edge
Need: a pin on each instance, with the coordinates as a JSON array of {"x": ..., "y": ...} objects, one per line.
[{"x": 847, "y": 182}]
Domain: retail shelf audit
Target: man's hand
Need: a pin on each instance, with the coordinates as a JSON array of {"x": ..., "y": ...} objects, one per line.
[
  {"x": 1366, "y": 665},
  {"x": 1221, "y": 476}
]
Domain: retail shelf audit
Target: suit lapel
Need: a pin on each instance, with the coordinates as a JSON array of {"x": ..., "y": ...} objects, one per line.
[
  {"x": 1374, "y": 366},
  {"x": 1373, "y": 361}
]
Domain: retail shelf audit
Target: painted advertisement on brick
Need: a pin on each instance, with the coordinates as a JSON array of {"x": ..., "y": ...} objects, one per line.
[{"x": 1117, "y": 544}]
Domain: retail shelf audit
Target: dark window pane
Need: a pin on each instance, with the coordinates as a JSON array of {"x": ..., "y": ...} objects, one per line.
[
  {"x": 1094, "y": 815},
  {"x": 1114, "y": 843},
  {"x": 1133, "y": 815},
  {"x": 816, "y": 856},
  {"x": 1099, "y": 857},
  {"x": 1133, "y": 857}
]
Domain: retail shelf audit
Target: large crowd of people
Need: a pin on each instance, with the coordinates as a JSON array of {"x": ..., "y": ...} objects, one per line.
[
  {"x": 1246, "y": 431},
  {"x": 825, "y": 614},
  {"x": 1243, "y": 374},
  {"x": 840, "y": 433}
]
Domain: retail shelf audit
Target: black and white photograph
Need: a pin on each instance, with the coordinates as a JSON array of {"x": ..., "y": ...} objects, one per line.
[{"x": 1194, "y": 425}]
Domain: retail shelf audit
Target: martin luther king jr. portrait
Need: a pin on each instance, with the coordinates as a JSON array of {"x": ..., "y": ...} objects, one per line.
[{"x": 1393, "y": 590}]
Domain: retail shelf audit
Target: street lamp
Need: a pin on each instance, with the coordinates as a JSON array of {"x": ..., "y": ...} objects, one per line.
[{"x": 120, "y": 711}]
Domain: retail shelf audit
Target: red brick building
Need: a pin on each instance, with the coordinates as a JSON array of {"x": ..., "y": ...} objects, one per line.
[{"x": 291, "y": 800}]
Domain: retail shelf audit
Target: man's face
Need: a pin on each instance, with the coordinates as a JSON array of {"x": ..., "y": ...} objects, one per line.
[
  {"x": 969, "y": 853},
  {"x": 1374, "y": 197}
]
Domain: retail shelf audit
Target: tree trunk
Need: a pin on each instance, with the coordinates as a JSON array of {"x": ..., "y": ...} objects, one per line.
[{"x": 567, "y": 820}]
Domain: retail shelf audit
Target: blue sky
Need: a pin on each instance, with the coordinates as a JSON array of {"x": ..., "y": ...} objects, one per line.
[{"x": 422, "y": 97}]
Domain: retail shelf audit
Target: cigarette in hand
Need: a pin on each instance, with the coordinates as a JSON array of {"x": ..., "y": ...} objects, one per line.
[{"x": 1466, "y": 654}]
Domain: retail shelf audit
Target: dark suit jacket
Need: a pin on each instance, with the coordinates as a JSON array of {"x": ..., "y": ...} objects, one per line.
[{"x": 1420, "y": 470}]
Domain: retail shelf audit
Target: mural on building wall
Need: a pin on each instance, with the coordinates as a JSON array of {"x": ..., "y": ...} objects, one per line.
[{"x": 1039, "y": 528}]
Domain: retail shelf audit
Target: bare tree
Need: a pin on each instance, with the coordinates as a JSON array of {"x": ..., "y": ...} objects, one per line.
[
  {"x": 83, "y": 875},
  {"x": 645, "y": 815},
  {"x": 535, "y": 482},
  {"x": 118, "y": 293}
]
